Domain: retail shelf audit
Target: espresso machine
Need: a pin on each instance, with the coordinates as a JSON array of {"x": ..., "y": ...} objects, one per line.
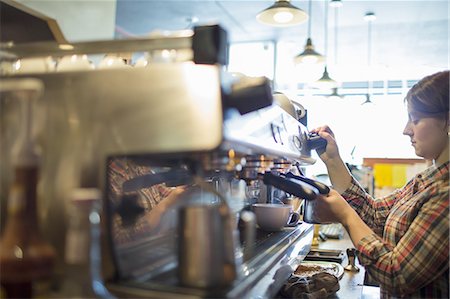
[{"x": 181, "y": 150}]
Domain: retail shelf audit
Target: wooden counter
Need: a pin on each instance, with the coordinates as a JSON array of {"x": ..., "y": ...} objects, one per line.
[{"x": 351, "y": 284}]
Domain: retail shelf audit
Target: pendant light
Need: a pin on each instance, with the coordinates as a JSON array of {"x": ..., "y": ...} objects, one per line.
[
  {"x": 336, "y": 4},
  {"x": 334, "y": 95},
  {"x": 369, "y": 18},
  {"x": 326, "y": 82},
  {"x": 282, "y": 14},
  {"x": 309, "y": 55}
]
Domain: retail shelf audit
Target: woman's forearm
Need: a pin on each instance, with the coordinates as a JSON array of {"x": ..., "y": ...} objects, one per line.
[
  {"x": 339, "y": 174},
  {"x": 356, "y": 227}
]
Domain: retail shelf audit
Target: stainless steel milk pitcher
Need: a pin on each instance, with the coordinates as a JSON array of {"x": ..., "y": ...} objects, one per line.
[{"x": 206, "y": 246}]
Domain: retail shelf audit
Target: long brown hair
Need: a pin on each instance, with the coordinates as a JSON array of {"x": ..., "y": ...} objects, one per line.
[{"x": 430, "y": 96}]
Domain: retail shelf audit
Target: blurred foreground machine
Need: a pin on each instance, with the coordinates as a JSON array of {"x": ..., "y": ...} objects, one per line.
[{"x": 181, "y": 150}]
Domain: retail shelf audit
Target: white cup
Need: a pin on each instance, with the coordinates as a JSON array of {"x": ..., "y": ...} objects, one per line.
[
  {"x": 274, "y": 217},
  {"x": 33, "y": 65},
  {"x": 74, "y": 63},
  {"x": 111, "y": 61}
]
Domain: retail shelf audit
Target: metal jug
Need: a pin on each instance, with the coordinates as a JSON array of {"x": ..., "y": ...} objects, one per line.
[{"x": 206, "y": 242}]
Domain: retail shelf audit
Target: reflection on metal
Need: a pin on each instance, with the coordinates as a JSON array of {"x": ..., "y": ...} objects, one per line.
[{"x": 180, "y": 40}]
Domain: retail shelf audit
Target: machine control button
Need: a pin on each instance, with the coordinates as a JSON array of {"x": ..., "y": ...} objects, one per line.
[{"x": 297, "y": 142}]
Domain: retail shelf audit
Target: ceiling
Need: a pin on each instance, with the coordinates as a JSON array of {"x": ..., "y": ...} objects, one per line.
[{"x": 405, "y": 33}]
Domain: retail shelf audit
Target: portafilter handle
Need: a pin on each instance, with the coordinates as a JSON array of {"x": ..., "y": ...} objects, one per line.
[
  {"x": 314, "y": 141},
  {"x": 297, "y": 188},
  {"x": 321, "y": 187}
]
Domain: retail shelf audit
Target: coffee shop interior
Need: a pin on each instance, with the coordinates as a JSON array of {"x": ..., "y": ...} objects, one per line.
[
  {"x": 343, "y": 63},
  {"x": 374, "y": 52}
]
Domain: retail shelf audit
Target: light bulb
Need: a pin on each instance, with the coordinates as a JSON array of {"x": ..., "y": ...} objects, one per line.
[
  {"x": 310, "y": 59},
  {"x": 283, "y": 17}
]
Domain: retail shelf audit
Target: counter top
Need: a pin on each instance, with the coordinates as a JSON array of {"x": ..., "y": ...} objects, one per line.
[{"x": 351, "y": 283}]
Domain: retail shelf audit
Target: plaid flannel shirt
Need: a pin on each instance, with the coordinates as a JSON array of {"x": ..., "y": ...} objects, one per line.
[
  {"x": 408, "y": 254},
  {"x": 119, "y": 171}
]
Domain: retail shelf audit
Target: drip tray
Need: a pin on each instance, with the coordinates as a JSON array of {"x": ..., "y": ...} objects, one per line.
[{"x": 271, "y": 251}]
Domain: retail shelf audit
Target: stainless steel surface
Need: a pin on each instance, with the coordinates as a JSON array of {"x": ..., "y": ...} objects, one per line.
[
  {"x": 93, "y": 114},
  {"x": 277, "y": 257},
  {"x": 248, "y": 222},
  {"x": 85, "y": 116},
  {"x": 166, "y": 117},
  {"x": 309, "y": 212},
  {"x": 176, "y": 40},
  {"x": 206, "y": 246},
  {"x": 260, "y": 277},
  {"x": 265, "y": 259},
  {"x": 128, "y": 111},
  {"x": 201, "y": 266},
  {"x": 270, "y": 131}
]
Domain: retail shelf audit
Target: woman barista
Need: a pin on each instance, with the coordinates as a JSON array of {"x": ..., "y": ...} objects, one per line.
[{"x": 403, "y": 238}]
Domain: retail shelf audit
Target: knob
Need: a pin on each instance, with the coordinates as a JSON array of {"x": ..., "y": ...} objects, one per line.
[
  {"x": 296, "y": 142},
  {"x": 249, "y": 94}
]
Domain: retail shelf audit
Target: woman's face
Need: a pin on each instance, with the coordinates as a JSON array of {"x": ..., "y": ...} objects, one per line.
[{"x": 428, "y": 135}]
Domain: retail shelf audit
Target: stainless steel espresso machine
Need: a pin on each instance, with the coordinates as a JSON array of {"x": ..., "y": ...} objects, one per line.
[{"x": 181, "y": 150}]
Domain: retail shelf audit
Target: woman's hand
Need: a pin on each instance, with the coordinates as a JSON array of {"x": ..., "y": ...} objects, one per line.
[
  {"x": 331, "y": 151},
  {"x": 332, "y": 208},
  {"x": 154, "y": 218},
  {"x": 337, "y": 170}
]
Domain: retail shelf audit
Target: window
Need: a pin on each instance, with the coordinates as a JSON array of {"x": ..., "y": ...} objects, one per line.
[
  {"x": 252, "y": 59},
  {"x": 374, "y": 130},
  {"x": 370, "y": 130}
]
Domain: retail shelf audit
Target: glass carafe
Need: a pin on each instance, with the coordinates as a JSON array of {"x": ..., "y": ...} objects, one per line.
[{"x": 25, "y": 257}]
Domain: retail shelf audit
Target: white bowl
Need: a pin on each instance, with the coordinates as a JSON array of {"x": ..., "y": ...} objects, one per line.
[
  {"x": 74, "y": 63},
  {"x": 271, "y": 216}
]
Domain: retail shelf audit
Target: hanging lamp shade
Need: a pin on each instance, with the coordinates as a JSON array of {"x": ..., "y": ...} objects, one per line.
[
  {"x": 282, "y": 14},
  {"x": 369, "y": 18},
  {"x": 326, "y": 82},
  {"x": 309, "y": 55},
  {"x": 336, "y": 3}
]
